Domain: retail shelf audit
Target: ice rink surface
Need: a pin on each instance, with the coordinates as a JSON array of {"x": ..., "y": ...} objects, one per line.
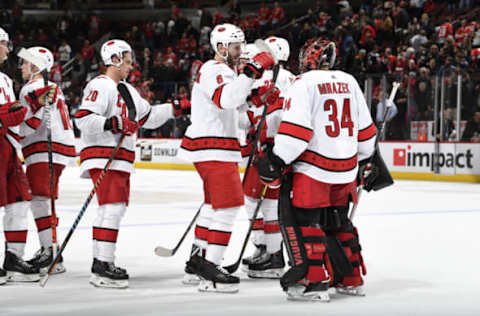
[{"x": 420, "y": 244}]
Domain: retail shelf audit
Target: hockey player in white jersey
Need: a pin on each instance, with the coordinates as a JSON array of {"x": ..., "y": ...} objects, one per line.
[
  {"x": 326, "y": 130},
  {"x": 102, "y": 119},
  {"x": 212, "y": 144},
  {"x": 35, "y": 146},
  {"x": 14, "y": 189},
  {"x": 267, "y": 260}
]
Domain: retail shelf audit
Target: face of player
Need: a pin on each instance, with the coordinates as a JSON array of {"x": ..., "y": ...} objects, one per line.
[
  {"x": 25, "y": 70},
  {"x": 126, "y": 66},
  {"x": 234, "y": 52},
  {"x": 3, "y": 51}
]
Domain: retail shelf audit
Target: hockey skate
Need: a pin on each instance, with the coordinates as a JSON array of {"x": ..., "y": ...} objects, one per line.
[
  {"x": 17, "y": 270},
  {"x": 316, "y": 292},
  {"x": 268, "y": 266},
  {"x": 42, "y": 260},
  {"x": 213, "y": 277},
  {"x": 106, "y": 274},
  {"x": 190, "y": 278},
  {"x": 260, "y": 250},
  {"x": 350, "y": 290},
  {"x": 3, "y": 276}
]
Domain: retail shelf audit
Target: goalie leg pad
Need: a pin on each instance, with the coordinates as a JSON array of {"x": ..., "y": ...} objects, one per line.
[{"x": 348, "y": 237}]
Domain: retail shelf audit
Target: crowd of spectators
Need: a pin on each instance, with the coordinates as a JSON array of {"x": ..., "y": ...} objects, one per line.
[{"x": 407, "y": 41}]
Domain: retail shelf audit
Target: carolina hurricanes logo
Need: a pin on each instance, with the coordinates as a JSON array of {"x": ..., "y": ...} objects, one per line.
[
  {"x": 110, "y": 43},
  {"x": 221, "y": 29},
  {"x": 42, "y": 51},
  {"x": 272, "y": 40}
]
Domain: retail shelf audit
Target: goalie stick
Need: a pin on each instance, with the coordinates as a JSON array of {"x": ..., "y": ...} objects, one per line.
[
  {"x": 379, "y": 132},
  {"x": 132, "y": 113},
  {"x": 167, "y": 252}
]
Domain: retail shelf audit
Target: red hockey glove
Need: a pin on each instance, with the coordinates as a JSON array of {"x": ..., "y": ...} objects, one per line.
[
  {"x": 11, "y": 114},
  {"x": 121, "y": 124},
  {"x": 259, "y": 63},
  {"x": 36, "y": 99},
  {"x": 271, "y": 168},
  {"x": 265, "y": 95},
  {"x": 181, "y": 107}
]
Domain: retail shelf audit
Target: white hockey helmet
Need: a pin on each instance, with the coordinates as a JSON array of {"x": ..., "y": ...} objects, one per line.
[
  {"x": 250, "y": 51},
  {"x": 113, "y": 48},
  {"x": 39, "y": 56},
  {"x": 226, "y": 34},
  {"x": 279, "y": 47},
  {"x": 3, "y": 35}
]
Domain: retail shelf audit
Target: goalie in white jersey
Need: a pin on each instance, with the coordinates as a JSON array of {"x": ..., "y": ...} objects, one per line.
[
  {"x": 212, "y": 144},
  {"x": 35, "y": 146},
  {"x": 326, "y": 130},
  {"x": 102, "y": 119}
]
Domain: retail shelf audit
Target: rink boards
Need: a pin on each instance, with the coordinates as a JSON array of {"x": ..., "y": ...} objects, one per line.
[{"x": 406, "y": 160}]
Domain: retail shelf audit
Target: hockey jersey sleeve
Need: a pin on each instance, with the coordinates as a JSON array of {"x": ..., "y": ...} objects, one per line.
[
  {"x": 149, "y": 116},
  {"x": 226, "y": 90},
  {"x": 366, "y": 127},
  {"x": 90, "y": 117},
  {"x": 296, "y": 129}
]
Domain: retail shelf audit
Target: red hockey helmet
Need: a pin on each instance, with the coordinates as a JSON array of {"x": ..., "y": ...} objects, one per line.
[{"x": 317, "y": 53}]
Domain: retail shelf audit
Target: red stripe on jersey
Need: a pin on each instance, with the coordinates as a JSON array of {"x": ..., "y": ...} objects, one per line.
[
  {"x": 203, "y": 143},
  {"x": 367, "y": 133},
  {"x": 105, "y": 234},
  {"x": 16, "y": 236},
  {"x": 329, "y": 164},
  {"x": 98, "y": 152},
  {"x": 145, "y": 118},
  {"x": 218, "y": 237},
  {"x": 201, "y": 232},
  {"x": 258, "y": 225},
  {"x": 43, "y": 223},
  {"x": 217, "y": 96},
  {"x": 271, "y": 227},
  {"x": 42, "y": 147},
  {"x": 14, "y": 135},
  {"x": 278, "y": 105},
  {"x": 33, "y": 122},
  {"x": 246, "y": 150},
  {"x": 296, "y": 131},
  {"x": 82, "y": 113}
]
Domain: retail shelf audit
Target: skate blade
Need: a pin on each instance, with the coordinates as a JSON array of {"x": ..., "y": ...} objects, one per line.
[
  {"x": 191, "y": 279},
  {"x": 59, "y": 268},
  {"x": 267, "y": 274},
  {"x": 351, "y": 290},
  {"x": 99, "y": 281},
  {"x": 296, "y": 293},
  {"x": 3, "y": 280},
  {"x": 244, "y": 268},
  {"x": 21, "y": 277},
  {"x": 209, "y": 286}
]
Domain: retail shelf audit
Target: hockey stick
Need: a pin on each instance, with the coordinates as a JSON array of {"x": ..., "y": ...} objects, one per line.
[
  {"x": 53, "y": 216},
  {"x": 234, "y": 267},
  {"x": 379, "y": 132},
  {"x": 132, "y": 113},
  {"x": 166, "y": 252}
]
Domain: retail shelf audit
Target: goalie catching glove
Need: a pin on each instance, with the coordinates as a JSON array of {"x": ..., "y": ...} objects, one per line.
[
  {"x": 271, "y": 168},
  {"x": 36, "y": 99},
  {"x": 374, "y": 174},
  {"x": 120, "y": 124}
]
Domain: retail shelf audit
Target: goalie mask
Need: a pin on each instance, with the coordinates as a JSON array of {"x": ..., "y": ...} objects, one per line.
[{"x": 317, "y": 53}]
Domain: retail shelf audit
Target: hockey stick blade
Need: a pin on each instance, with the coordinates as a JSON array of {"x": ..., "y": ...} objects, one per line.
[{"x": 164, "y": 252}]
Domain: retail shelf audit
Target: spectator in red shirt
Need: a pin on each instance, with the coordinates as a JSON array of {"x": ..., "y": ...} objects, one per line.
[
  {"x": 461, "y": 31},
  {"x": 264, "y": 16},
  {"x": 87, "y": 50},
  {"x": 277, "y": 15},
  {"x": 171, "y": 55},
  {"x": 56, "y": 74},
  {"x": 445, "y": 30},
  {"x": 135, "y": 75}
]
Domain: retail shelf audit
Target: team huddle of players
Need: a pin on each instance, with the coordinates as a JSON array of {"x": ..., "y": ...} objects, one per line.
[{"x": 317, "y": 131}]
